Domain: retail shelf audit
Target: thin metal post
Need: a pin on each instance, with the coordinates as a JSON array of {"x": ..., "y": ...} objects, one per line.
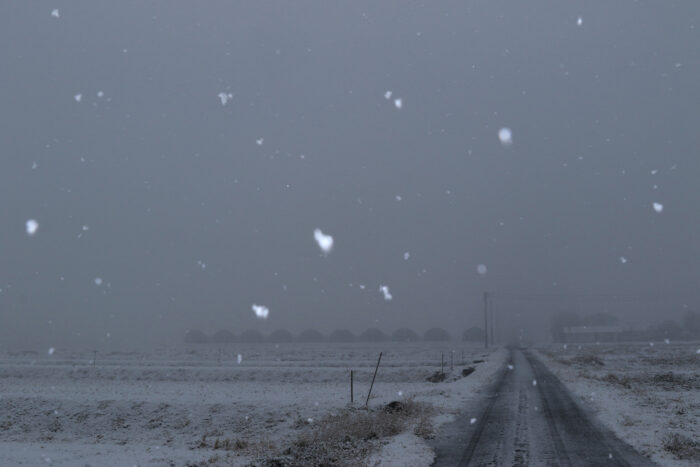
[
  {"x": 352, "y": 397},
  {"x": 373, "y": 377},
  {"x": 486, "y": 320}
]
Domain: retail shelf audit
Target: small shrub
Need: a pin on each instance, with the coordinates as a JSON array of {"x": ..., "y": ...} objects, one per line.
[{"x": 681, "y": 446}]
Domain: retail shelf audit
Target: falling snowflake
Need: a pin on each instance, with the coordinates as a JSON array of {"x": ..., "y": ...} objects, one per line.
[
  {"x": 623, "y": 260},
  {"x": 385, "y": 291},
  {"x": 534, "y": 382},
  {"x": 658, "y": 207},
  {"x": 565, "y": 346},
  {"x": 225, "y": 97},
  {"x": 51, "y": 350},
  {"x": 481, "y": 269},
  {"x": 261, "y": 311},
  {"x": 579, "y": 21},
  {"x": 100, "y": 94},
  {"x": 387, "y": 95},
  {"x": 398, "y": 198},
  {"x": 239, "y": 358},
  {"x": 78, "y": 97},
  {"x": 398, "y": 103},
  {"x": 260, "y": 141},
  {"x": 510, "y": 367},
  {"x": 34, "y": 165},
  {"x": 98, "y": 281},
  {"x": 667, "y": 341},
  {"x": 85, "y": 228},
  {"x": 506, "y": 136},
  {"x": 400, "y": 393},
  {"x": 32, "y": 226},
  {"x": 654, "y": 172},
  {"x": 325, "y": 242},
  {"x": 472, "y": 421},
  {"x": 406, "y": 256},
  {"x": 55, "y": 13}
]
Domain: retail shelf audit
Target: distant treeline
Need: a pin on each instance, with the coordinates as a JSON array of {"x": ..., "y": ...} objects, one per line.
[{"x": 195, "y": 336}]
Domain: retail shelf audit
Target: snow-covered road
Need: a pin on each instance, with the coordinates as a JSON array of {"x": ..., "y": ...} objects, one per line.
[{"x": 528, "y": 417}]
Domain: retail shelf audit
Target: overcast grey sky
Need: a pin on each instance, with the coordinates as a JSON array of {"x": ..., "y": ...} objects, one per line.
[{"x": 167, "y": 179}]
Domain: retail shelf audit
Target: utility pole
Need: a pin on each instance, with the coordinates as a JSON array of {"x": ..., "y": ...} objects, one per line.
[{"x": 486, "y": 320}]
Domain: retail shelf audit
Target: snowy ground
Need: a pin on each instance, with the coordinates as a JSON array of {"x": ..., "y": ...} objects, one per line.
[
  {"x": 199, "y": 405},
  {"x": 644, "y": 393}
]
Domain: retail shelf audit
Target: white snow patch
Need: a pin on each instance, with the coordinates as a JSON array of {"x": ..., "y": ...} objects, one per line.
[
  {"x": 325, "y": 242},
  {"x": 402, "y": 450}
]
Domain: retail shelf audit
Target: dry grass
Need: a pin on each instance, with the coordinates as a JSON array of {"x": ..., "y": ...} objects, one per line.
[
  {"x": 351, "y": 434},
  {"x": 682, "y": 446}
]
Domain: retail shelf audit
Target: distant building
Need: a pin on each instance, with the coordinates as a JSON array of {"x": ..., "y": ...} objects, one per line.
[
  {"x": 310, "y": 335},
  {"x": 195, "y": 336},
  {"x": 609, "y": 333},
  {"x": 341, "y": 335},
  {"x": 436, "y": 335},
  {"x": 281, "y": 335},
  {"x": 473, "y": 334},
  {"x": 223, "y": 336},
  {"x": 251, "y": 336},
  {"x": 372, "y": 335},
  {"x": 405, "y": 335}
]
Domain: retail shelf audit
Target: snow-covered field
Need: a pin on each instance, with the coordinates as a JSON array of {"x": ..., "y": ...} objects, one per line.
[
  {"x": 649, "y": 395},
  {"x": 199, "y": 406}
]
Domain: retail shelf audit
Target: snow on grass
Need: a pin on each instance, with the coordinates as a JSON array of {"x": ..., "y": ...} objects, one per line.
[
  {"x": 180, "y": 405},
  {"x": 645, "y": 394}
]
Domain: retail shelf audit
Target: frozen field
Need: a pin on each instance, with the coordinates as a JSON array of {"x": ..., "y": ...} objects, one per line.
[
  {"x": 198, "y": 406},
  {"x": 649, "y": 395}
]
